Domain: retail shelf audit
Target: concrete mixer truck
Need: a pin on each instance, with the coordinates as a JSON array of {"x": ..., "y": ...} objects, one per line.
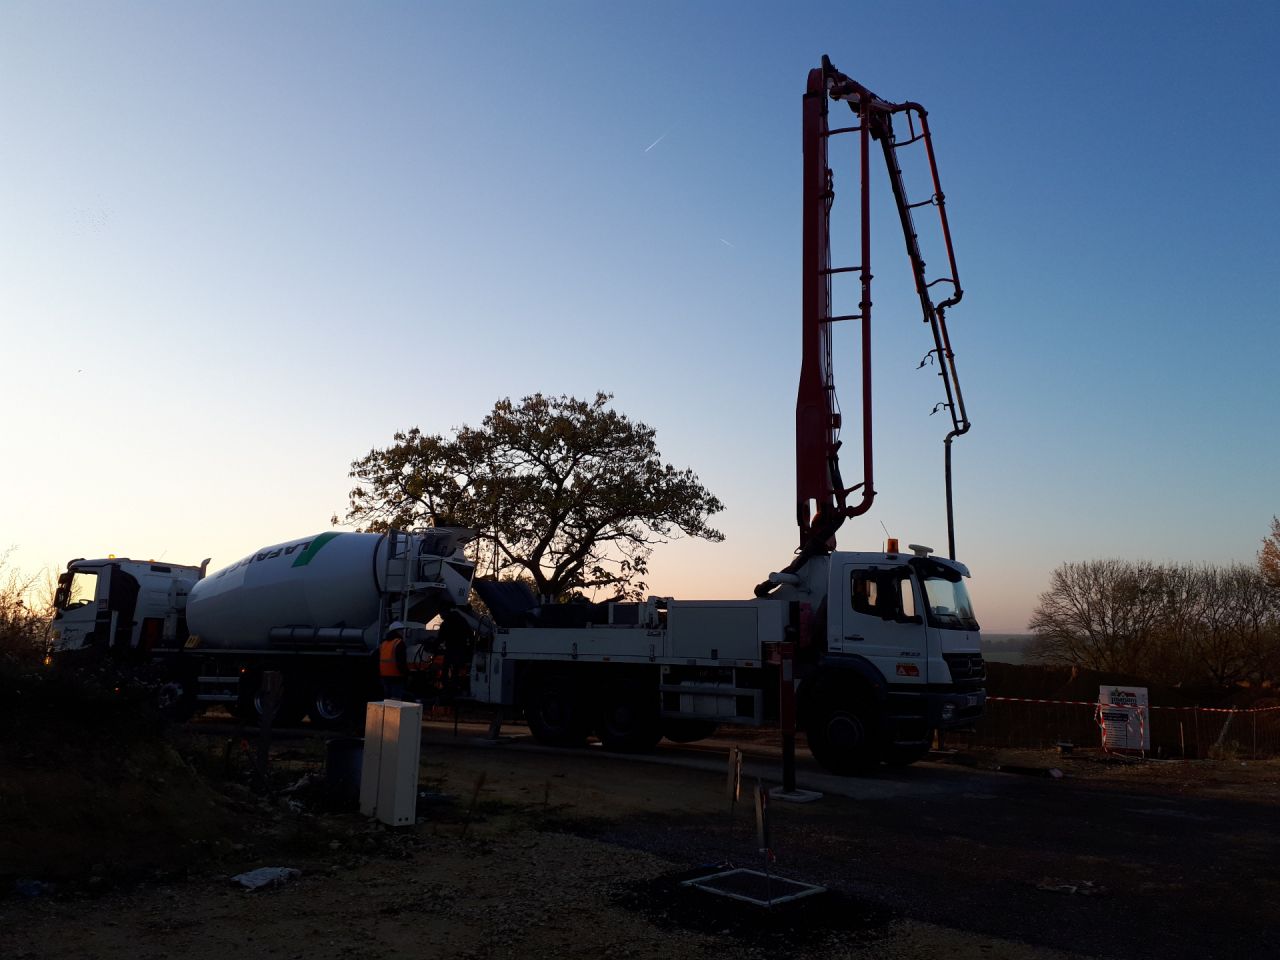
[{"x": 313, "y": 609}]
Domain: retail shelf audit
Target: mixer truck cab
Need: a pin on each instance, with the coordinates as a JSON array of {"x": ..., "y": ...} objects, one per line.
[{"x": 119, "y": 604}]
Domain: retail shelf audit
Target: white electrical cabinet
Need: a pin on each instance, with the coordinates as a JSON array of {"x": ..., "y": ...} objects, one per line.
[{"x": 392, "y": 751}]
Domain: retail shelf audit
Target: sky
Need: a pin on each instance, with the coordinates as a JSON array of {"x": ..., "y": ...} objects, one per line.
[{"x": 242, "y": 244}]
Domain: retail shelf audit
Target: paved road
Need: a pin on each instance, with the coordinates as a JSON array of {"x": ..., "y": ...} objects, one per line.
[{"x": 763, "y": 761}]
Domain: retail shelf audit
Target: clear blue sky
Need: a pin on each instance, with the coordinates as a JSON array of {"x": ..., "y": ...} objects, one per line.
[{"x": 241, "y": 244}]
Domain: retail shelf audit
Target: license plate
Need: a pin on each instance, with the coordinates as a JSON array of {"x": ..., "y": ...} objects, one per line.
[{"x": 971, "y": 700}]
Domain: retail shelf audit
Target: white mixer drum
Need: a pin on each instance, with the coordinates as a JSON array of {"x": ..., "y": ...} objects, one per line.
[{"x": 331, "y": 580}]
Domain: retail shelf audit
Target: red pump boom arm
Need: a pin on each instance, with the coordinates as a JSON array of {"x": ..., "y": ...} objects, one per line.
[{"x": 823, "y": 502}]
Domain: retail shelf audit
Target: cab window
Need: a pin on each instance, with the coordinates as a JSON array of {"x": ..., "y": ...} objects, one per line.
[
  {"x": 78, "y": 590},
  {"x": 865, "y": 591},
  {"x": 946, "y": 601},
  {"x": 949, "y": 604},
  {"x": 883, "y": 593},
  {"x": 908, "y": 596}
]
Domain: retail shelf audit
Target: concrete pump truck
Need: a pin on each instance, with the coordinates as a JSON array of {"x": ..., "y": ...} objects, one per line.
[
  {"x": 876, "y": 650},
  {"x": 868, "y": 653}
]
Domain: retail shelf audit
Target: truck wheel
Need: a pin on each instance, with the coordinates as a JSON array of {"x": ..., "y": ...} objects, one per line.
[
  {"x": 555, "y": 713},
  {"x": 292, "y": 705},
  {"x": 688, "y": 731},
  {"x": 176, "y": 699},
  {"x": 331, "y": 704},
  {"x": 843, "y": 739},
  {"x": 629, "y": 720}
]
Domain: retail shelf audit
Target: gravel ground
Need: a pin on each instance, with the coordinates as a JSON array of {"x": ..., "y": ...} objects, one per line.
[{"x": 525, "y": 894}]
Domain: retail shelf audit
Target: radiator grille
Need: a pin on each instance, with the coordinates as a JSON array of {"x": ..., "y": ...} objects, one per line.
[{"x": 967, "y": 669}]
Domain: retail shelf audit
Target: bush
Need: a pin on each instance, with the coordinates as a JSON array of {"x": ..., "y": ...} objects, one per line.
[
  {"x": 81, "y": 704},
  {"x": 26, "y": 607}
]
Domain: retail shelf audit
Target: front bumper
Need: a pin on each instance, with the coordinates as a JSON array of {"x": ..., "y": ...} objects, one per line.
[
  {"x": 936, "y": 709},
  {"x": 949, "y": 711}
]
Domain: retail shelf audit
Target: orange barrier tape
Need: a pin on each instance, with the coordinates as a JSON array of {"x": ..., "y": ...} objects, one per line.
[{"x": 1099, "y": 703}]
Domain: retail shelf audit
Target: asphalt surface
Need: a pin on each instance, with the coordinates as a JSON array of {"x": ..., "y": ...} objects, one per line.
[{"x": 1065, "y": 864}]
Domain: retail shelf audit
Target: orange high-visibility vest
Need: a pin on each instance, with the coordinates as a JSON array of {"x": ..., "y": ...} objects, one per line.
[{"x": 388, "y": 666}]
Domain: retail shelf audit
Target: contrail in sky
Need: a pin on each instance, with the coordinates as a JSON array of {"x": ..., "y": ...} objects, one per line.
[
  {"x": 725, "y": 242},
  {"x": 658, "y": 141}
]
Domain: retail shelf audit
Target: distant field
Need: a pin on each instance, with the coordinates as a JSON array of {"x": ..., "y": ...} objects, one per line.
[{"x": 1006, "y": 647}]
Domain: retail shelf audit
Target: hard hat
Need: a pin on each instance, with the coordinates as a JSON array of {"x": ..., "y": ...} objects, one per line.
[{"x": 392, "y": 627}]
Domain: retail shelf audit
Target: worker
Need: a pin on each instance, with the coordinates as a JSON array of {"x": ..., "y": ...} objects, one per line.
[
  {"x": 393, "y": 662},
  {"x": 457, "y": 638}
]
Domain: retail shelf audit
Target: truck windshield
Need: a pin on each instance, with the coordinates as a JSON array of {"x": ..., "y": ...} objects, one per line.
[
  {"x": 948, "y": 603},
  {"x": 77, "y": 589}
]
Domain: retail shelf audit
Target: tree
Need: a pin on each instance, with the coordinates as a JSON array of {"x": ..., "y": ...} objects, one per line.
[
  {"x": 1269, "y": 555},
  {"x": 1216, "y": 651},
  {"x": 1174, "y": 623},
  {"x": 568, "y": 493},
  {"x": 1175, "y": 656},
  {"x": 1099, "y": 614},
  {"x": 1238, "y": 635}
]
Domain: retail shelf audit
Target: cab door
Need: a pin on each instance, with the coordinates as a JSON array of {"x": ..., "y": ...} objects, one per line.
[
  {"x": 880, "y": 621},
  {"x": 76, "y": 608}
]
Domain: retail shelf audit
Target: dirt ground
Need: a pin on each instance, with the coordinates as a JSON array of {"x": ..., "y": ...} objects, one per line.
[{"x": 582, "y": 854}]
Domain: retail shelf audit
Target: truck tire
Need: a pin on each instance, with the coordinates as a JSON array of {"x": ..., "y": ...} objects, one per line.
[
  {"x": 293, "y": 704},
  {"x": 629, "y": 721},
  {"x": 688, "y": 731},
  {"x": 332, "y": 703},
  {"x": 555, "y": 712},
  {"x": 176, "y": 698},
  {"x": 844, "y": 738}
]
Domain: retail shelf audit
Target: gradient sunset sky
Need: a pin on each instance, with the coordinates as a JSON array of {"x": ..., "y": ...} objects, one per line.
[{"x": 241, "y": 244}]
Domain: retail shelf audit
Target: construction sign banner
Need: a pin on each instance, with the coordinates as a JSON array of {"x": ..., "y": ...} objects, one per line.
[{"x": 1123, "y": 717}]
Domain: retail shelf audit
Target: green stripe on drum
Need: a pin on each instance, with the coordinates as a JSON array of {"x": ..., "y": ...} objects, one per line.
[{"x": 313, "y": 548}]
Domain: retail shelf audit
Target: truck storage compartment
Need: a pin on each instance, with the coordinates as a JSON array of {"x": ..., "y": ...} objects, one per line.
[
  {"x": 723, "y": 694},
  {"x": 715, "y": 630}
]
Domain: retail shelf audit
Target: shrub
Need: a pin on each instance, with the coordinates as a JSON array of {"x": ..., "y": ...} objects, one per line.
[{"x": 26, "y": 607}]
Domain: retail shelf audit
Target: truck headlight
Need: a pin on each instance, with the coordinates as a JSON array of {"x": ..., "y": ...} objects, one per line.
[{"x": 948, "y": 711}]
